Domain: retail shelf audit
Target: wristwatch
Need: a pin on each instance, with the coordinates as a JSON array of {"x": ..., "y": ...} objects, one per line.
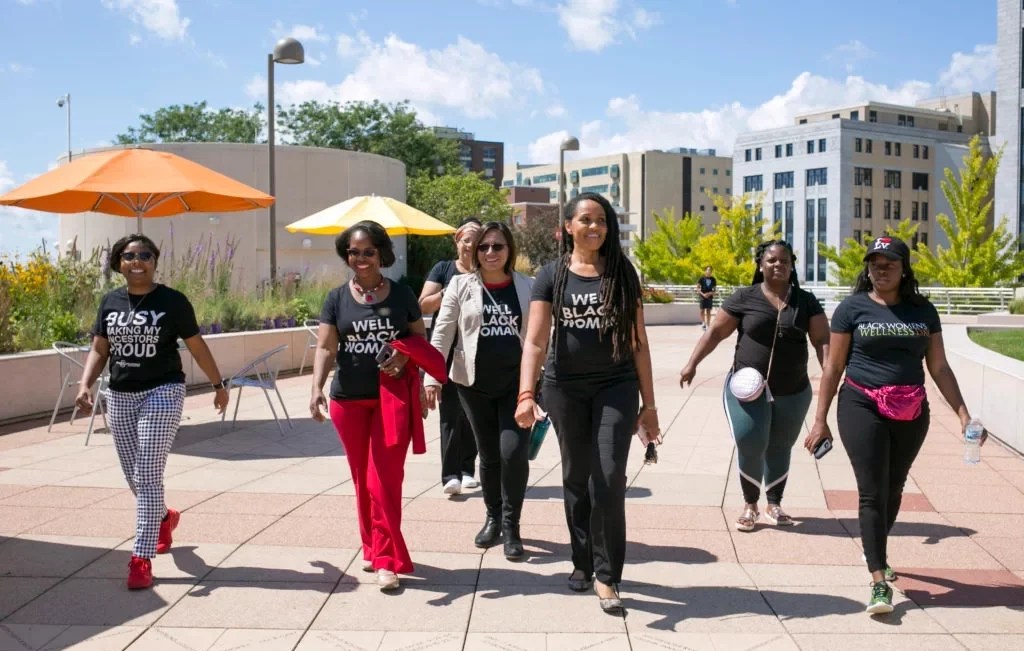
[{"x": 220, "y": 385}]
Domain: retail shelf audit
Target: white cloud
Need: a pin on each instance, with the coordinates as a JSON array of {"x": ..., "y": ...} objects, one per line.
[
  {"x": 162, "y": 17},
  {"x": 16, "y": 68},
  {"x": 134, "y": 39},
  {"x": 850, "y": 54},
  {"x": 302, "y": 33},
  {"x": 593, "y": 25},
  {"x": 555, "y": 111},
  {"x": 970, "y": 72},
  {"x": 351, "y": 47},
  {"x": 463, "y": 77}
]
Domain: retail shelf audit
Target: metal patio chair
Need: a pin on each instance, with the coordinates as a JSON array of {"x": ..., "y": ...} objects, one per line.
[
  {"x": 311, "y": 326},
  {"x": 261, "y": 375},
  {"x": 72, "y": 362}
]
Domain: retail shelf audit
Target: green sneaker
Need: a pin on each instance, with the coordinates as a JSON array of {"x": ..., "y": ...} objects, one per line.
[
  {"x": 881, "y": 599},
  {"x": 889, "y": 574}
]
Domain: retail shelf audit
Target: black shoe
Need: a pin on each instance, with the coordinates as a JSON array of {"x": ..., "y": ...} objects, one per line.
[
  {"x": 513, "y": 543},
  {"x": 490, "y": 534}
]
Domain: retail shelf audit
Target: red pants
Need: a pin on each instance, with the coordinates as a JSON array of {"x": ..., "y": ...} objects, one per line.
[{"x": 377, "y": 472}]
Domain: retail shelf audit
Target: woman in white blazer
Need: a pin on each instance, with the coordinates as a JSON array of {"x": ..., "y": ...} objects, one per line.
[{"x": 488, "y": 310}]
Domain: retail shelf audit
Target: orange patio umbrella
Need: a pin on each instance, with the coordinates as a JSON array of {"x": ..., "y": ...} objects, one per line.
[{"x": 135, "y": 183}]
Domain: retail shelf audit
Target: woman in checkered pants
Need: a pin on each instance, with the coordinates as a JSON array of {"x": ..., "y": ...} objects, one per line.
[{"x": 137, "y": 329}]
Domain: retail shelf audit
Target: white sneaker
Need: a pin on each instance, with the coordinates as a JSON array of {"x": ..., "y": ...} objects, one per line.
[
  {"x": 453, "y": 486},
  {"x": 387, "y": 580},
  {"x": 468, "y": 481}
]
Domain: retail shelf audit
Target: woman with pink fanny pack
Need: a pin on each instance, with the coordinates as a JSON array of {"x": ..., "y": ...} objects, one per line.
[{"x": 881, "y": 336}]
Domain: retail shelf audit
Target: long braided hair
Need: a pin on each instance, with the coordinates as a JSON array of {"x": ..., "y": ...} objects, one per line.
[
  {"x": 620, "y": 292},
  {"x": 762, "y": 248}
]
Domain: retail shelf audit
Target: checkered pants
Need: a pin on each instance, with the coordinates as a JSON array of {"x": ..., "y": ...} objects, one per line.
[{"x": 143, "y": 425}]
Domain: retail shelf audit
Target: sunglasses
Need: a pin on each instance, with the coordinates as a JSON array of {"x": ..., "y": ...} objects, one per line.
[
  {"x": 497, "y": 247},
  {"x": 130, "y": 256},
  {"x": 364, "y": 253}
]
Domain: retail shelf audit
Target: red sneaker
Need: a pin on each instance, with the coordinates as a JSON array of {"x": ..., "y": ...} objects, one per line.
[
  {"x": 167, "y": 526},
  {"x": 140, "y": 573}
]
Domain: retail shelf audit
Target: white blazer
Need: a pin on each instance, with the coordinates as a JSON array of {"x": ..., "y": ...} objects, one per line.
[{"x": 461, "y": 312}]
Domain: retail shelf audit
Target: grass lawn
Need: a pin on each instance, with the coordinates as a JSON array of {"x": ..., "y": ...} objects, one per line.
[{"x": 1009, "y": 342}]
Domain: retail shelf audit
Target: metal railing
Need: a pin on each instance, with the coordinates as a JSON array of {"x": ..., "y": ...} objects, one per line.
[{"x": 947, "y": 300}]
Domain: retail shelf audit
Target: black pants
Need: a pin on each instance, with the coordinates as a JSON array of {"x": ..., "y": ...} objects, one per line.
[
  {"x": 458, "y": 450},
  {"x": 503, "y": 447},
  {"x": 881, "y": 451},
  {"x": 595, "y": 429}
]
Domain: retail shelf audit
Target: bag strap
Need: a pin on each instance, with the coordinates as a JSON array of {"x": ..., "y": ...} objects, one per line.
[
  {"x": 522, "y": 342},
  {"x": 775, "y": 335}
]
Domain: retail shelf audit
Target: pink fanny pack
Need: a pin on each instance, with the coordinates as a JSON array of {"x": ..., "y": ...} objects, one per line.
[{"x": 895, "y": 401}]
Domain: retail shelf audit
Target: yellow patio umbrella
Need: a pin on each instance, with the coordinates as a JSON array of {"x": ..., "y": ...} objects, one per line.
[{"x": 396, "y": 217}]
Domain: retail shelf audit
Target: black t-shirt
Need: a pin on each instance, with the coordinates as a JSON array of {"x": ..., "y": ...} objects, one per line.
[
  {"x": 498, "y": 348},
  {"x": 889, "y": 342},
  {"x": 442, "y": 273},
  {"x": 707, "y": 284},
  {"x": 362, "y": 331},
  {"x": 756, "y": 332},
  {"x": 143, "y": 334},
  {"x": 585, "y": 346}
]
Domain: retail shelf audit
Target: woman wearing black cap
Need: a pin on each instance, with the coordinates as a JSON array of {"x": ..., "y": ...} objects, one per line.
[{"x": 881, "y": 334}]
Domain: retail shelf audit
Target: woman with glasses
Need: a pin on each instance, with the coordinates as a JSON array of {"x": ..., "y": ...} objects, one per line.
[
  {"x": 137, "y": 329},
  {"x": 774, "y": 318},
  {"x": 483, "y": 316},
  {"x": 458, "y": 449},
  {"x": 370, "y": 326}
]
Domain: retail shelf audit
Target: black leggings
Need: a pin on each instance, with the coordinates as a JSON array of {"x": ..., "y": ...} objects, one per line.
[
  {"x": 595, "y": 429},
  {"x": 504, "y": 450},
  {"x": 881, "y": 451},
  {"x": 458, "y": 449}
]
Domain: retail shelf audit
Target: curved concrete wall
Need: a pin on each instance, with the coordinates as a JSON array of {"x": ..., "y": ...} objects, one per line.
[{"x": 308, "y": 179}]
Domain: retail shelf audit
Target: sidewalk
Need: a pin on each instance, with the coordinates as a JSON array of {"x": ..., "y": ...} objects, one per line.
[{"x": 265, "y": 556}]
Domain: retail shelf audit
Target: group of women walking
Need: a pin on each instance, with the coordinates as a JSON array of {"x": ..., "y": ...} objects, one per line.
[{"x": 573, "y": 339}]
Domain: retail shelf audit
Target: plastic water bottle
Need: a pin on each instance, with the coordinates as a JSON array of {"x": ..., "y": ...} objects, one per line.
[{"x": 972, "y": 441}]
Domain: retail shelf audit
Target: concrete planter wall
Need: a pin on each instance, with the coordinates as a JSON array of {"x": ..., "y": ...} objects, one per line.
[
  {"x": 671, "y": 313},
  {"x": 31, "y": 381}
]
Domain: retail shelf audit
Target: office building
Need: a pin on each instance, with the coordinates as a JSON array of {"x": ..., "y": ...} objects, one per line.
[
  {"x": 853, "y": 171},
  {"x": 482, "y": 156},
  {"x": 1009, "y": 191}
]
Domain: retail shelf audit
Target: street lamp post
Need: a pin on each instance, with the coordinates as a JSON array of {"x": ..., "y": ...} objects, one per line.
[
  {"x": 64, "y": 102},
  {"x": 569, "y": 143},
  {"x": 287, "y": 51}
]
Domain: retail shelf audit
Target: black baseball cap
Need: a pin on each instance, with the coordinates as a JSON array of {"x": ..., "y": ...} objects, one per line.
[{"x": 891, "y": 247}]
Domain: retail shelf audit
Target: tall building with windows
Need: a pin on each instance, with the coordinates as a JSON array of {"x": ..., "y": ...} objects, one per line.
[
  {"x": 639, "y": 184},
  {"x": 1009, "y": 191},
  {"x": 475, "y": 155},
  {"x": 853, "y": 171}
]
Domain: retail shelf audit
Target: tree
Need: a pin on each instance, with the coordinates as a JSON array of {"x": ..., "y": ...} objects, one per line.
[
  {"x": 730, "y": 247},
  {"x": 666, "y": 254},
  {"x": 845, "y": 264},
  {"x": 195, "y": 123},
  {"x": 539, "y": 237},
  {"x": 374, "y": 127},
  {"x": 978, "y": 255}
]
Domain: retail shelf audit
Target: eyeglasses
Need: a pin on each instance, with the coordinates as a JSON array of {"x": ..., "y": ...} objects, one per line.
[
  {"x": 497, "y": 247},
  {"x": 364, "y": 253},
  {"x": 144, "y": 256}
]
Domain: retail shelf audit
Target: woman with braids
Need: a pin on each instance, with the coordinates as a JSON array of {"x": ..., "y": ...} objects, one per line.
[
  {"x": 881, "y": 334},
  {"x": 774, "y": 318},
  {"x": 597, "y": 371}
]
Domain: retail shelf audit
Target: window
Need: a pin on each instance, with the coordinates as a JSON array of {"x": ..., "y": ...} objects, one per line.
[
  {"x": 872, "y": 116},
  {"x": 893, "y": 179},
  {"x": 777, "y": 212},
  {"x": 887, "y": 209},
  {"x": 923, "y": 239},
  {"x": 919, "y": 181},
  {"x": 856, "y": 208},
  {"x": 901, "y": 120},
  {"x": 835, "y": 116},
  {"x": 789, "y": 149},
  {"x": 778, "y": 151},
  {"x": 714, "y": 190},
  {"x": 757, "y": 154},
  {"x": 810, "y": 146},
  {"x": 910, "y": 120},
  {"x": 862, "y": 175},
  {"x": 821, "y": 145},
  {"x": 809, "y": 240},
  {"x": 858, "y": 145},
  {"x": 917, "y": 151},
  {"x": 728, "y": 172},
  {"x": 787, "y": 227},
  {"x": 888, "y": 148},
  {"x": 702, "y": 170},
  {"x": 803, "y": 121},
  {"x": 545, "y": 178},
  {"x": 896, "y": 211},
  {"x": 914, "y": 208},
  {"x": 783, "y": 180},
  {"x": 822, "y": 233},
  {"x": 867, "y": 209},
  {"x": 746, "y": 155},
  {"x": 867, "y": 146},
  {"x": 702, "y": 189},
  {"x": 924, "y": 211},
  {"x": 897, "y": 147},
  {"x": 817, "y": 176},
  {"x": 924, "y": 152},
  {"x": 702, "y": 208},
  {"x": 595, "y": 188},
  {"x": 856, "y": 234},
  {"x": 594, "y": 171},
  {"x": 855, "y": 115},
  {"x": 714, "y": 172}
]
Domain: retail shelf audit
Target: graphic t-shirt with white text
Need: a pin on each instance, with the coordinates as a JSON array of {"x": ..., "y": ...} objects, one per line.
[
  {"x": 143, "y": 333},
  {"x": 889, "y": 342},
  {"x": 498, "y": 349},
  {"x": 362, "y": 331},
  {"x": 585, "y": 346}
]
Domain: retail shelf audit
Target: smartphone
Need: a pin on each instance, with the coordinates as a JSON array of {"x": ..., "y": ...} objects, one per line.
[
  {"x": 385, "y": 353},
  {"x": 822, "y": 448}
]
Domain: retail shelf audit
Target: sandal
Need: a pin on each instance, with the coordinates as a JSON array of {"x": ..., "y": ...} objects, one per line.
[
  {"x": 777, "y": 516},
  {"x": 746, "y": 521}
]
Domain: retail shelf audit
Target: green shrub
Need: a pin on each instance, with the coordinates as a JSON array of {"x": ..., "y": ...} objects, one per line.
[{"x": 1017, "y": 306}]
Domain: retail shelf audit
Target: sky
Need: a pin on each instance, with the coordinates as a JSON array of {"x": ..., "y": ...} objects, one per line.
[{"x": 622, "y": 75}]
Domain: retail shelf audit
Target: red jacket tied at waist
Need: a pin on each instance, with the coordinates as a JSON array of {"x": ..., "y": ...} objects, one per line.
[{"x": 400, "y": 406}]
